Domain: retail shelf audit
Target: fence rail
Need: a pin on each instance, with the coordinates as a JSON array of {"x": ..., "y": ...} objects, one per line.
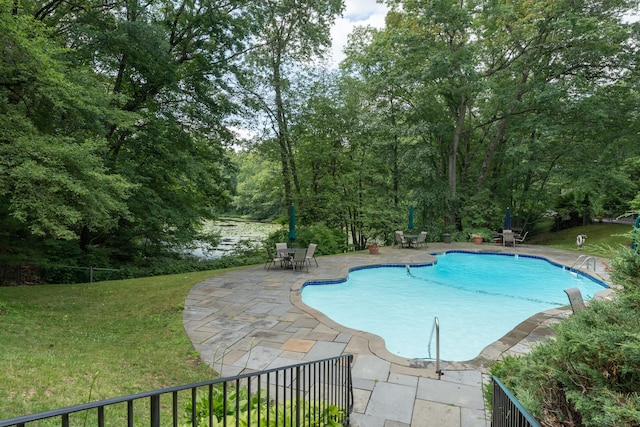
[
  {"x": 507, "y": 411},
  {"x": 307, "y": 394}
]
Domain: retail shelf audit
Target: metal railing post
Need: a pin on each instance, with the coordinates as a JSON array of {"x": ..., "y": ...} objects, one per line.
[{"x": 155, "y": 410}]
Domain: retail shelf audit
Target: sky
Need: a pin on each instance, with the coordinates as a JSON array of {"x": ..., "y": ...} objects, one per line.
[{"x": 356, "y": 13}]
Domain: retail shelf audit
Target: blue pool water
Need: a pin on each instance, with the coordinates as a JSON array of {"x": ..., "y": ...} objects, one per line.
[{"x": 478, "y": 298}]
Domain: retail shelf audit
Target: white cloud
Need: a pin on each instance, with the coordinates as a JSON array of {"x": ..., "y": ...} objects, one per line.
[{"x": 357, "y": 13}]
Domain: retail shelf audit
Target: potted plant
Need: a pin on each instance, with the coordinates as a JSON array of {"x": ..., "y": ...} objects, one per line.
[
  {"x": 478, "y": 235},
  {"x": 374, "y": 247}
]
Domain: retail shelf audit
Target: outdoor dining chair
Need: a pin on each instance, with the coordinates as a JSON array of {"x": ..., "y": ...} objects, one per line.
[
  {"x": 299, "y": 259},
  {"x": 272, "y": 259},
  {"x": 422, "y": 239},
  {"x": 508, "y": 238},
  {"x": 281, "y": 250},
  {"x": 400, "y": 239},
  {"x": 311, "y": 253}
]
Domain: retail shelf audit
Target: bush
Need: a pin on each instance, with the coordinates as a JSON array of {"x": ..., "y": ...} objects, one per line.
[
  {"x": 329, "y": 241},
  {"x": 467, "y": 234},
  {"x": 169, "y": 265},
  {"x": 315, "y": 414}
]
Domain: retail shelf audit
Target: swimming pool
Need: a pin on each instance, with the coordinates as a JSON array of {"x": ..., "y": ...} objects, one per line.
[{"x": 478, "y": 298}]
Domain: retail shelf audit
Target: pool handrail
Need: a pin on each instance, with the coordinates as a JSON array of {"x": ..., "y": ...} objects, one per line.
[{"x": 436, "y": 328}]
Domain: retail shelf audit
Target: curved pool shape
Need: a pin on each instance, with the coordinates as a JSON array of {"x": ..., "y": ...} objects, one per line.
[{"x": 478, "y": 298}]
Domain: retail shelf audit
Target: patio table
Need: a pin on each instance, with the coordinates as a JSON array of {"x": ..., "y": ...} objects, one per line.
[
  {"x": 286, "y": 254},
  {"x": 411, "y": 239}
]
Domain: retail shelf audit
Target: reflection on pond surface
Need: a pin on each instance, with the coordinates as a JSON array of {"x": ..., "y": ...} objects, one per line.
[{"x": 232, "y": 231}]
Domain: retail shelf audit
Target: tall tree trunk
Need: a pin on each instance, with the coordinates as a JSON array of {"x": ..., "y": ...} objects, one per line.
[
  {"x": 394, "y": 155},
  {"x": 283, "y": 139},
  {"x": 459, "y": 115},
  {"x": 498, "y": 138}
]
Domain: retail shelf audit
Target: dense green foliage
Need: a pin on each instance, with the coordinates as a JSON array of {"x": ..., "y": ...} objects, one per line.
[
  {"x": 112, "y": 124},
  {"x": 332, "y": 240},
  {"x": 588, "y": 376}
]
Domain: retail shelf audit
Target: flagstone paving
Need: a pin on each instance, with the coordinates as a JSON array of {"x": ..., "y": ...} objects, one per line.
[{"x": 254, "y": 319}]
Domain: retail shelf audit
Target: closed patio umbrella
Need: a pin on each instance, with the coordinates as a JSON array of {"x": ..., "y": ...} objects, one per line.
[
  {"x": 507, "y": 220},
  {"x": 292, "y": 223},
  {"x": 411, "y": 217}
]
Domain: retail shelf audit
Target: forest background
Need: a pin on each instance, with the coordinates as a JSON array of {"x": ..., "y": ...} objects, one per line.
[{"x": 125, "y": 126}]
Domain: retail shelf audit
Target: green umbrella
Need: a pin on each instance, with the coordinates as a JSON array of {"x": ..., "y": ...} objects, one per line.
[
  {"x": 411, "y": 217},
  {"x": 292, "y": 223}
]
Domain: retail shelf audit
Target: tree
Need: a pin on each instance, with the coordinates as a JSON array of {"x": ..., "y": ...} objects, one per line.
[
  {"x": 147, "y": 106},
  {"x": 53, "y": 178},
  {"x": 488, "y": 90},
  {"x": 292, "y": 32}
]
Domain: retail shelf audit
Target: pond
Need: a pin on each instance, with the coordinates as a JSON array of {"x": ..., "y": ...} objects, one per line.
[{"x": 232, "y": 231}]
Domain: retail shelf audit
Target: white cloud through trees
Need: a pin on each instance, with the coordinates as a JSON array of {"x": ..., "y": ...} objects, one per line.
[{"x": 357, "y": 13}]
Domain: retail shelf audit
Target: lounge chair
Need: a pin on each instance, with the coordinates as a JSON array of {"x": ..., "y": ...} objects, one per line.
[
  {"x": 575, "y": 299},
  {"x": 311, "y": 253},
  {"x": 299, "y": 259},
  {"x": 422, "y": 239},
  {"x": 508, "y": 238},
  {"x": 272, "y": 259}
]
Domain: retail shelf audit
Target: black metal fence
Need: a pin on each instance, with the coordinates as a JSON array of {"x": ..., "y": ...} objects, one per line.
[
  {"x": 307, "y": 394},
  {"x": 507, "y": 411}
]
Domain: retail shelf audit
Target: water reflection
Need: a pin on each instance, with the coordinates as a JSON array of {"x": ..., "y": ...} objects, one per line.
[{"x": 232, "y": 231}]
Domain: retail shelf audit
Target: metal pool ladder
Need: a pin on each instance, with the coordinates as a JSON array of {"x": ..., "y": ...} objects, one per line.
[
  {"x": 586, "y": 260},
  {"x": 436, "y": 328}
]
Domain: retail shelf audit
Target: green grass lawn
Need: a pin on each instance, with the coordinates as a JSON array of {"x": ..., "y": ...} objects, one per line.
[
  {"x": 67, "y": 344},
  {"x": 602, "y": 239},
  {"x": 123, "y": 337}
]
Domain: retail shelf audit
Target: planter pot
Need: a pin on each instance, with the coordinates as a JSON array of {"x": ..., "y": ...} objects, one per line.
[
  {"x": 478, "y": 240},
  {"x": 374, "y": 249}
]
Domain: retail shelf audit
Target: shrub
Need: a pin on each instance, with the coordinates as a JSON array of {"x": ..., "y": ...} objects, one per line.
[
  {"x": 316, "y": 414},
  {"x": 329, "y": 241}
]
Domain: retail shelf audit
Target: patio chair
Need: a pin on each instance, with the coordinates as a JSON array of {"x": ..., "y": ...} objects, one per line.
[
  {"x": 272, "y": 259},
  {"x": 508, "y": 238},
  {"x": 311, "y": 253},
  {"x": 422, "y": 239},
  {"x": 281, "y": 250},
  {"x": 400, "y": 239},
  {"x": 299, "y": 259},
  {"x": 520, "y": 239},
  {"x": 575, "y": 299}
]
